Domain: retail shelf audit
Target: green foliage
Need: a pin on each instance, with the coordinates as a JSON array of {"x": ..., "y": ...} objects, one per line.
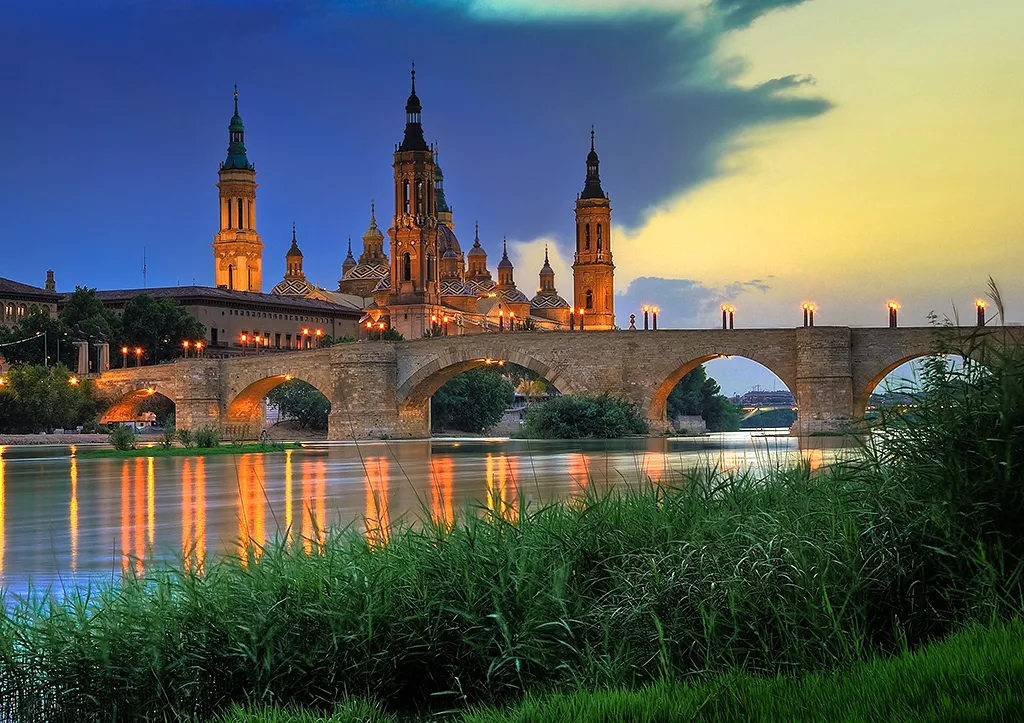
[
  {"x": 158, "y": 327},
  {"x": 206, "y": 437},
  {"x": 579, "y": 417},
  {"x": 973, "y": 676},
  {"x": 349, "y": 711},
  {"x": 302, "y": 402},
  {"x": 168, "y": 436},
  {"x": 773, "y": 418},
  {"x": 185, "y": 437},
  {"x": 41, "y": 399},
  {"x": 122, "y": 438},
  {"x": 391, "y": 334},
  {"x": 474, "y": 401},
  {"x": 85, "y": 316},
  {"x": 327, "y": 340},
  {"x": 30, "y": 332},
  {"x": 698, "y": 394}
]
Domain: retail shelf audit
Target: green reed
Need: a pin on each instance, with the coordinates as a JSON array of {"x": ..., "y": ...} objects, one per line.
[{"x": 705, "y": 573}]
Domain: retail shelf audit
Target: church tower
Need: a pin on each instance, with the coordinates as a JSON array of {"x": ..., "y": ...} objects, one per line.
[
  {"x": 415, "y": 287},
  {"x": 592, "y": 270},
  {"x": 237, "y": 248}
]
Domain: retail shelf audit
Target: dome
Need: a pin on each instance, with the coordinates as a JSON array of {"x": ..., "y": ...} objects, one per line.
[
  {"x": 482, "y": 287},
  {"x": 383, "y": 285},
  {"x": 446, "y": 239},
  {"x": 548, "y": 301},
  {"x": 546, "y": 269},
  {"x": 455, "y": 287},
  {"x": 294, "y": 250},
  {"x": 373, "y": 233},
  {"x": 514, "y": 296},
  {"x": 368, "y": 271},
  {"x": 449, "y": 253},
  {"x": 236, "y": 123},
  {"x": 504, "y": 263},
  {"x": 293, "y": 287}
]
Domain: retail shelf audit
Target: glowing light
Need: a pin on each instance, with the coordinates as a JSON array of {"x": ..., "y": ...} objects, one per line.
[
  {"x": 184, "y": 344},
  {"x": 72, "y": 381},
  {"x": 893, "y": 305},
  {"x": 980, "y": 303},
  {"x": 287, "y": 377},
  {"x": 138, "y": 351},
  {"x": 124, "y": 350},
  {"x": 150, "y": 390}
]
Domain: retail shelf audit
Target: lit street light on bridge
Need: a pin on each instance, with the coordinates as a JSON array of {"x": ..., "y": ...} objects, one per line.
[
  {"x": 981, "y": 304},
  {"x": 893, "y": 308},
  {"x": 809, "y": 314}
]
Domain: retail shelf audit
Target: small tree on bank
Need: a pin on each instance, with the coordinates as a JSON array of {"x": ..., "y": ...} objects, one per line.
[
  {"x": 580, "y": 417},
  {"x": 471, "y": 402}
]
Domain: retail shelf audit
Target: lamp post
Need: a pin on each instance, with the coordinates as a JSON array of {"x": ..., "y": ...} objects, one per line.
[
  {"x": 138, "y": 357},
  {"x": 654, "y": 318},
  {"x": 572, "y": 318},
  {"x": 511, "y": 321},
  {"x": 893, "y": 308},
  {"x": 369, "y": 329},
  {"x": 981, "y": 304},
  {"x": 732, "y": 316},
  {"x": 380, "y": 331},
  {"x": 184, "y": 345},
  {"x": 647, "y": 310},
  {"x": 444, "y": 331},
  {"x": 725, "y": 315},
  {"x": 199, "y": 348},
  {"x": 124, "y": 357},
  {"x": 243, "y": 340},
  {"x": 305, "y": 343},
  {"x": 319, "y": 337},
  {"x": 257, "y": 340},
  {"x": 433, "y": 324},
  {"x": 501, "y": 320},
  {"x": 581, "y": 321},
  {"x": 808, "y": 314}
]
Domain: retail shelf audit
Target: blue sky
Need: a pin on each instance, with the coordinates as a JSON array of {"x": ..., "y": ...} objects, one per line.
[{"x": 747, "y": 157}]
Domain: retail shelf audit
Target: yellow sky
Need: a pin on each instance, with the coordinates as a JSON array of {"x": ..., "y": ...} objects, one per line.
[{"x": 910, "y": 188}]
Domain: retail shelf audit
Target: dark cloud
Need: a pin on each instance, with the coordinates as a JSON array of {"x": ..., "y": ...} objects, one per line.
[
  {"x": 741, "y": 13},
  {"x": 682, "y": 301}
]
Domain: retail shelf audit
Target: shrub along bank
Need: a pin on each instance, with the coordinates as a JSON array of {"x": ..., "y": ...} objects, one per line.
[
  {"x": 707, "y": 573},
  {"x": 579, "y": 417}
]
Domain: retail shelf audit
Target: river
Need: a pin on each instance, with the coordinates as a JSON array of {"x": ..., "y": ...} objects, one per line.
[{"x": 67, "y": 520}]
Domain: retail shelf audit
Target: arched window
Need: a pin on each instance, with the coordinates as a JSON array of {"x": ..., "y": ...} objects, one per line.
[
  {"x": 22, "y": 311},
  {"x": 419, "y": 198},
  {"x": 599, "y": 244},
  {"x": 406, "y": 267},
  {"x": 231, "y": 276},
  {"x": 9, "y": 311},
  {"x": 240, "y": 214},
  {"x": 590, "y": 299},
  {"x": 230, "y": 211},
  {"x": 588, "y": 237},
  {"x": 405, "y": 196},
  {"x": 248, "y": 279}
]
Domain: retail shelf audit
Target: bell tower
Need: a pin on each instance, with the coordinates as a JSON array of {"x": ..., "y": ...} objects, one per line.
[
  {"x": 593, "y": 272},
  {"x": 415, "y": 285},
  {"x": 237, "y": 248}
]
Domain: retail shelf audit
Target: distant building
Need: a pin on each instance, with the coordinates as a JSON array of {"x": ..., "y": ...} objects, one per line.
[{"x": 18, "y": 300}]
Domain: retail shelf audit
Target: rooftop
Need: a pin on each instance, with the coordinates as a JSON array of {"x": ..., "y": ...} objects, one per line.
[
  {"x": 9, "y": 286},
  {"x": 208, "y": 293}
]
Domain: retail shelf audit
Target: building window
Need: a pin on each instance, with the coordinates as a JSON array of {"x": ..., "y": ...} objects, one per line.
[
  {"x": 406, "y": 267},
  {"x": 229, "y": 213},
  {"x": 231, "y": 276},
  {"x": 240, "y": 213},
  {"x": 288, "y": 340},
  {"x": 419, "y": 198},
  {"x": 599, "y": 238},
  {"x": 590, "y": 299},
  {"x": 405, "y": 196},
  {"x": 588, "y": 237},
  {"x": 277, "y": 341},
  {"x": 213, "y": 336}
]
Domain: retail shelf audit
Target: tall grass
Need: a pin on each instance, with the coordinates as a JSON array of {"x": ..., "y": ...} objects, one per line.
[{"x": 711, "y": 572}]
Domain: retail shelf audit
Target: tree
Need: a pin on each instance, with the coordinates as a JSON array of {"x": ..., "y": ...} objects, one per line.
[
  {"x": 34, "y": 398},
  {"x": 471, "y": 402},
  {"x": 158, "y": 327},
  {"x": 86, "y": 317},
  {"x": 697, "y": 394},
  {"x": 30, "y": 331},
  {"x": 302, "y": 402}
]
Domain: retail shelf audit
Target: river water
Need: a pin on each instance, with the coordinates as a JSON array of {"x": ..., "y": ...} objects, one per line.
[{"x": 67, "y": 520}]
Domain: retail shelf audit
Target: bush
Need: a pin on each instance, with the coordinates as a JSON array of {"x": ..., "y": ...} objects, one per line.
[
  {"x": 122, "y": 438},
  {"x": 577, "y": 417},
  {"x": 169, "y": 435},
  {"x": 185, "y": 437},
  {"x": 301, "y": 401},
  {"x": 207, "y": 437}
]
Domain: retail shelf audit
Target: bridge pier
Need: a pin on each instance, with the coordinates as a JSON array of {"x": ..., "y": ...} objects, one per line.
[{"x": 824, "y": 381}]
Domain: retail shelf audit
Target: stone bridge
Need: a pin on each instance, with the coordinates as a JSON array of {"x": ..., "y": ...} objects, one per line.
[{"x": 384, "y": 388}]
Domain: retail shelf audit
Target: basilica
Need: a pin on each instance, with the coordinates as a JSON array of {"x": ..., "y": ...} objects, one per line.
[{"x": 423, "y": 283}]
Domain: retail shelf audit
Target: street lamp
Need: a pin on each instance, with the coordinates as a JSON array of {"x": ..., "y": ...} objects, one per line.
[
  {"x": 380, "y": 331},
  {"x": 980, "y": 303},
  {"x": 184, "y": 345},
  {"x": 572, "y": 318},
  {"x": 654, "y": 318},
  {"x": 728, "y": 316},
  {"x": 305, "y": 333},
  {"x": 501, "y": 320},
  {"x": 319, "y": 336},
  {"x": 138, "y": 356},
  {"x": 893, "y": 308},
  {"x": 445, "y": 330},
  {"x": 199, "y": 348},
  {"x": 647, "y": 310},
  {"x": 581, "y": 321},
  {"x": 808, "y": 314},
  {"x": 511, "y": 321},
  {"x": 433, "y": 323},
  {"x": 46, "y": 361},
  {"x": 243, "y": 341},
  {"x": 257, "y": 340},
  {"x": 73, "y": 381},
  {"x": 124, "y": 357}
]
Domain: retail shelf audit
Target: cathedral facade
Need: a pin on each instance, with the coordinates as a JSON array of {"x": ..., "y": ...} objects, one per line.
[{"x": 424, "y": 283}]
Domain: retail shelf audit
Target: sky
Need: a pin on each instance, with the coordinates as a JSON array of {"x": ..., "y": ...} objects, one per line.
[{"x": 760, "y": 153}]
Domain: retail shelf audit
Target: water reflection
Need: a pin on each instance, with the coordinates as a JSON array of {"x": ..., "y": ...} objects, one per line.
[{"x": 66, "y": 518}]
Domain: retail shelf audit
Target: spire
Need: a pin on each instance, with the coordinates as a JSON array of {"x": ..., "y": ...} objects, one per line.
[
  {"x": 592, "y": 189},
  {"x": 294, "y": 250},
  {"x": 373, "y": 215},
  {"x": 413, "y": 140},
  {"x": 350, "y": 260},
  {"x": 236, "y": 141},
  {"x": 505, "y": 263},
  {"x": 442, "y": 202}
]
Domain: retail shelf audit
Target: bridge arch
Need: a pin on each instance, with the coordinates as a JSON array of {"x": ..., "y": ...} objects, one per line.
[
  {"x": 667, "y": 375},
  {"x": 422, "y": 384},
  {"x": 865, "y": 388},
  {"x": 126, "y": 406},
  {"x": 244, "y": 412}
]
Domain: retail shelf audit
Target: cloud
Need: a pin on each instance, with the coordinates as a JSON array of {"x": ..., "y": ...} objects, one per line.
[
  {"x": 681, "y": 301},
  {"x": 736, "y": 14}
]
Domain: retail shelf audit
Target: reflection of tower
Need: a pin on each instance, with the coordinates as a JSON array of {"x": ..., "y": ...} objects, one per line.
[
  {"x": 592, "y": 270},
  {"x": 415, "y": 288},
  {"x": 237, "y": 248}
]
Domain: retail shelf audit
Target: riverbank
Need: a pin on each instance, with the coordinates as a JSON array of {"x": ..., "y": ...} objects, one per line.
[
  {"x": 50, "y": 439},
  {"x": 973, "y": 675},
  {"x": 158, "y": 451}
]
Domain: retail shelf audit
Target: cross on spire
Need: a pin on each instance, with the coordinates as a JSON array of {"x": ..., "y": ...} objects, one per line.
[
  {"x": 236, "y": 98},
  {"x": 591, "y": 137}
]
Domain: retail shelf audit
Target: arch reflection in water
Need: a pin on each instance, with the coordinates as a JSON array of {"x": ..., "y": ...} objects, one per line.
[
  {"x": 441, "y": 480},
  {"x": 193, "y": 513},
  {"x": 501, "y": 487},
  {"x": 377, "y": 519},
  {"x": 252, "y": 532}
]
